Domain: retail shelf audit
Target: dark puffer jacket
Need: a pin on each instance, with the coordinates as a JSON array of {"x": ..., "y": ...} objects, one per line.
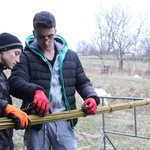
[
  {"x": 6, "y": 135},
  {"x": 33, "y": 72}
]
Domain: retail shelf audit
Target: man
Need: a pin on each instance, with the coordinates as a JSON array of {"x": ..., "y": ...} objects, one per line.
[
  {"x": 46, "y": 78},
  {"x": 10, "y": 50}
]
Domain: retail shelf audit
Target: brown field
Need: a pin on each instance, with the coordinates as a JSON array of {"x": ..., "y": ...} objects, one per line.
[{"x": 89, "y": 129}]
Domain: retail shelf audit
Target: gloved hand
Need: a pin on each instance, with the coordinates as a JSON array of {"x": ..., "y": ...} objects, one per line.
[
  {"x": 19, "y": 117},
  {"x": 89, "y": 106},
  {"x": 40, "y": 103}
]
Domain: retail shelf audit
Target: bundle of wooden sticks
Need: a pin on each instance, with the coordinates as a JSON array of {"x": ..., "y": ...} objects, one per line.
[{"x": 66, "y": 115}]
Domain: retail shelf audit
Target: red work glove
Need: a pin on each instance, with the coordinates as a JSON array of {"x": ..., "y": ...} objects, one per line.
[
  {"x": 19, "y": 117},
  {"x": 40, "y": 103},
  {"x": 89, "y": 106}
]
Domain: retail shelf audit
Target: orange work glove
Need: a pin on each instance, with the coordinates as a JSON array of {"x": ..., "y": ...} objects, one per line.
[
  {"x": 19, "y": 117},
  {"x": 40, "y": 103},
  {"x": 89, "y": 106}
]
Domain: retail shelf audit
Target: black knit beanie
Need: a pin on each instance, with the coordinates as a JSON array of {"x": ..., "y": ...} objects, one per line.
[{"x": 9, "y": 41}]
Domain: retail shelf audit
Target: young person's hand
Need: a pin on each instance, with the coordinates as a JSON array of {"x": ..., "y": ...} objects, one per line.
[
  {"x": 19, "y": 117},
  {"x": 89, "y": 106},
  {"x": 40, "y": 103}
]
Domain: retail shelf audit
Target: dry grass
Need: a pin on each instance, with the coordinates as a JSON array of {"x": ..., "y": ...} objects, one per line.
[{"x": 89, "y": 129}]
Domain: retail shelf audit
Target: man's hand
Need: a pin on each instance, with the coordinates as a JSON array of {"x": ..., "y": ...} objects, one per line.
[
  {"x": 89, "y": 106},
  {"x": 19, "y": 117},
  {"x": 40, "y": 103}
]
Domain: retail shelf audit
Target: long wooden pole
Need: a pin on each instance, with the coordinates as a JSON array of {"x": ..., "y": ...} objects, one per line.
[{"x": 66, "y": 115}]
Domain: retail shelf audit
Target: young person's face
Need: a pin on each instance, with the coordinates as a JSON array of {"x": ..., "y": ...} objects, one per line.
[
  {"x": 10, "y": 58},
  {"x": 45, "y": 37}
]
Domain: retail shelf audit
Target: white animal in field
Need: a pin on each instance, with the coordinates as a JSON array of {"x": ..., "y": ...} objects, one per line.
[
  {"x": 137, "y": 76},
  {"x": 101, "y": 92}
]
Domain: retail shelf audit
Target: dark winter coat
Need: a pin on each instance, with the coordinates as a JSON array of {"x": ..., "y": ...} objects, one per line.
[
  {"x": 6, "y": 142},
  {"x": 33, "y": 72}
]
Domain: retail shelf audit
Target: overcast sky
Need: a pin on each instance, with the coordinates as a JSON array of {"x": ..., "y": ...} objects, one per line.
[{"x": 74, "y": 18}]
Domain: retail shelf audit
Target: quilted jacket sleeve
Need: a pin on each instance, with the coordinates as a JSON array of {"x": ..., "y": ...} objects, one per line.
[
  {"x": 19, "y": 80},
  {"x": 3, "y": 105}
]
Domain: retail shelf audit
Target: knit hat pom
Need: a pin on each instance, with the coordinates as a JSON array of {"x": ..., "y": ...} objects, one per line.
[{"x": 9, "y": 41}]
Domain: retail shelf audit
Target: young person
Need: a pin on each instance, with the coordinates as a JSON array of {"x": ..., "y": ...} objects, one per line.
[
  {"x": 47, "y": 77},
  {"x": 10, "y": 50}
]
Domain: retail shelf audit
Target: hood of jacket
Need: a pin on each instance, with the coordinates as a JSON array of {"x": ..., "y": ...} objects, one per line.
[{"x": 59, "y": 42}]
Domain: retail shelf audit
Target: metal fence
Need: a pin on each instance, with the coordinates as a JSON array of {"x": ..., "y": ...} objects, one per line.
[{"x": 107, "y": 132}]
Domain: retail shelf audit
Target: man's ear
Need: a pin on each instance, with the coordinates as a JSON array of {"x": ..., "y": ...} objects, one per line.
[{"x": 55, "y": 31}]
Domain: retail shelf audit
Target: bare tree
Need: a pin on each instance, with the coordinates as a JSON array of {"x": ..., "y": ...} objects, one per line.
[
  {"x": 145, "y": 46},
  {"x": 116, "y": 33},
  {"x": 85, "y": 48},
  {"x": 104, "y": 36}
]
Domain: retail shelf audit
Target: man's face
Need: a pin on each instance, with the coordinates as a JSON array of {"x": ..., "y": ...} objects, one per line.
[
  {"x": 10, "y": 57},
  {"x": 45, "y": 37}
]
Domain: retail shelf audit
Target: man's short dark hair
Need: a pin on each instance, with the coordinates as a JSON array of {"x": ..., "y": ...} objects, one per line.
[{"x": 44, "y": 19}]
